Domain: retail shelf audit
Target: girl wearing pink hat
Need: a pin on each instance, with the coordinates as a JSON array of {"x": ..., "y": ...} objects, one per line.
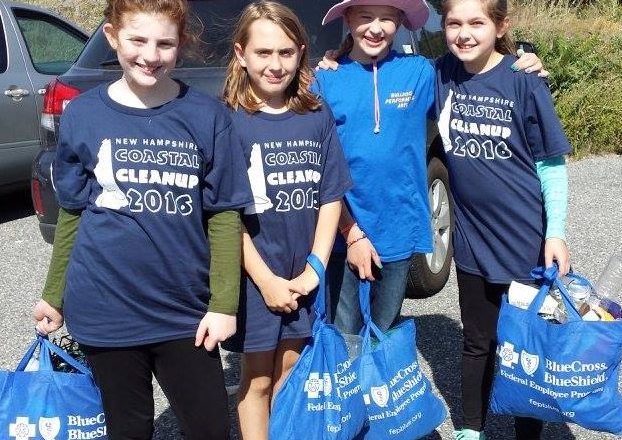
[
  {"x": 381, "y": 101},
  {"x": 385, "y": 216}
]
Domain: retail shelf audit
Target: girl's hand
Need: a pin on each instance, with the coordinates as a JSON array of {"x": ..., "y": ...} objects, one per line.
[
  {"x": 214, "y": 328},
  {"x": 307, "y": 281},
  {"x": 556, "y": 249},
  {"x": 529, "y": 62},
  {"x": 48, "y": 318},
  {"x": 329, "y": 61},
  {"x": 362, "y": 254},
  {"x": 280, "y": 294}
]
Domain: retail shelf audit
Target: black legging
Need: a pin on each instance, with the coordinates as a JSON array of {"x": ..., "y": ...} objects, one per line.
[
  {"x": 192, "y": 379},
  {"x": 479, "y": 310}
]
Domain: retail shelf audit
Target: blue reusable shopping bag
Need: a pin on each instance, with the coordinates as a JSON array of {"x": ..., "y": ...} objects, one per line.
[
  {"x": 558, "y": 372},
  {"x": 399, "y": 399},
  {"x": 321, "y": 398},
  {"x": 47, "y": 404}
]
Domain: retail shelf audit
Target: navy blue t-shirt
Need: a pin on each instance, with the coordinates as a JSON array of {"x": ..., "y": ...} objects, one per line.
[
  {"x": 138, "y": 272},
  {"x": 494, "y": 127},
  {"x": 296, "y": 165}
]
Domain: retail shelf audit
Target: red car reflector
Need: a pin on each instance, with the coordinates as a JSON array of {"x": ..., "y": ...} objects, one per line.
[
  {"x": 57, "y": 95},
  {"x": 37, "y": 202}
]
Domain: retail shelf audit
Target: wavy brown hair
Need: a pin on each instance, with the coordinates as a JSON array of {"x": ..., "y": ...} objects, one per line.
[
  {"x": 497, "y": 11},
  {"x": 237, "y": 89}
]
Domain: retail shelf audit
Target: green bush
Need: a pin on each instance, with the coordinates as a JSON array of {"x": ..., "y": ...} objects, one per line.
[{"x": 586, "y": 83}]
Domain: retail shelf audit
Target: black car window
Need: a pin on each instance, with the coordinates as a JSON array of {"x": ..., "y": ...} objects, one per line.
[
  {"x": 52, "y": 45},
  {"x": 214, "y": 21},
  {"x": 3, "y": 49}
]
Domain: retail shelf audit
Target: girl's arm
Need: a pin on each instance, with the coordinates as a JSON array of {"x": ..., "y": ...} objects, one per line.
[
  {"x": 553, "y": 176},
  {"x": 325, "y": 230},
  {"x": 361, "y": 253},
  {"x": 278, "y": 293},
  {"x": 47, "y": 312},
  {"x": 219, "y": 323}
]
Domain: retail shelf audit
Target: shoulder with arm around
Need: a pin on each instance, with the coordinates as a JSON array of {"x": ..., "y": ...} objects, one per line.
[
  {"x": 528, "y": 82},
  {"x": 413, "y": 64}
]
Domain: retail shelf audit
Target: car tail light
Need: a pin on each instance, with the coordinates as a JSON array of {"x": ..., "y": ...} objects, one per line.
[
  {"x": 57, "y": 95},
  {"x": 37, "y": 201}
]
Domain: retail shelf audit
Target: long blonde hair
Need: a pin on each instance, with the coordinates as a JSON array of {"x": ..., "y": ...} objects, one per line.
[
  {"x": 237, "y": 89},
  {"x": 497, "y": 11}
]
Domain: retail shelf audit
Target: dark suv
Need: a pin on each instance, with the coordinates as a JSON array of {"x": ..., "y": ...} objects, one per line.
[{"x": 204, "y": 68}]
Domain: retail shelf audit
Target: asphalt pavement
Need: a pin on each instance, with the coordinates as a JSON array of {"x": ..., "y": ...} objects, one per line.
[{"x": 594, "y": 233}]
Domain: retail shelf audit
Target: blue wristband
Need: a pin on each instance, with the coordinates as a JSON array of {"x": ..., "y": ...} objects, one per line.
[{"x": 317, "y": 265}]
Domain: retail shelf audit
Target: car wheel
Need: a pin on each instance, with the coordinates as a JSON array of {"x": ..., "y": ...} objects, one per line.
[{"x": 428, "y": 273}]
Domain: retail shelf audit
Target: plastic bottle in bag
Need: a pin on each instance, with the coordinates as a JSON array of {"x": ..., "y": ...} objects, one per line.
[
  {"x": 560, "y": 314},
  {"x": 354, "y": 344},
  {"x": 580, "y": 292},
  {"x": 609, "y": 282}
]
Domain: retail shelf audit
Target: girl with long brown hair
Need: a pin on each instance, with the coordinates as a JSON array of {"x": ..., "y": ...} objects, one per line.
[{"x": 298, "y": 176}]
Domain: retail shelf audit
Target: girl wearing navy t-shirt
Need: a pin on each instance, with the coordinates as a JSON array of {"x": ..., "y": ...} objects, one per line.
[
  {"x": 505, "y": 150},
  {"x": 298, "y": 176},
  {"x": 142, "y": 164}
]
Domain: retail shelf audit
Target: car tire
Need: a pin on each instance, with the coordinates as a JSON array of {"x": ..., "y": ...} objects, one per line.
[{"x": 428, "y": 273}]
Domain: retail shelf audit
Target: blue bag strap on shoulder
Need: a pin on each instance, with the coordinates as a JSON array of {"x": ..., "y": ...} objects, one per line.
[
  {"x": 549, "y": 276},
  {"x": 320, "y": 299}
]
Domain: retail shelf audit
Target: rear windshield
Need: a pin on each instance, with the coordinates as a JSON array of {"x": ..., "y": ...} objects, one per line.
[{"x": 214, "y": 21}]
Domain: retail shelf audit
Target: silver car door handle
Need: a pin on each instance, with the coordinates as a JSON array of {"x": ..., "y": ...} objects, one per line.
[{"x": 17, "y": 93}]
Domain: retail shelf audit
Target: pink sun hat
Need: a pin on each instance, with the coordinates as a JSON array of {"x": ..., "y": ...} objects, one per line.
[{"x": 416, "y": 12}]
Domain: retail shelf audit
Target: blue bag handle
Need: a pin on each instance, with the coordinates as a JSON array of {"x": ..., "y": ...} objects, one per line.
[
  {"x": 369, "y": 326},
  {"x": 29, "y": 354},
  {"x": 45, "y": 361},
  {"x": 320, "y": 299},
  {"x": 549, "y": 277}
]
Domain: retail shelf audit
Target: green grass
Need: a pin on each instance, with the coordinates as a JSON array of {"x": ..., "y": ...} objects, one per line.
[{"x": 582, "y": 48}]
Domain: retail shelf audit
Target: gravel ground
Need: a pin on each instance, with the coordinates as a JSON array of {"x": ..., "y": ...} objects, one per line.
[{"x": 594, "y": 233}]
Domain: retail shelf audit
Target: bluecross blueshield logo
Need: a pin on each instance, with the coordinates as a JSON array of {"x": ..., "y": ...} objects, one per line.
[
  {"x": 314, "y": 385},
  {"x": 22, "y": 429},
  {"x": 508, "y": 356},
  {"x": 529, "y": 362},
  {"x": 380, "y": 396}
]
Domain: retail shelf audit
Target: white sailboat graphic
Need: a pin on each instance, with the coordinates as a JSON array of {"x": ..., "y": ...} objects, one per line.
[
  {"x": 443, "y": 122},
  {"x": 257, "y": 179},
  {"x": 111, "y": 196}
]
